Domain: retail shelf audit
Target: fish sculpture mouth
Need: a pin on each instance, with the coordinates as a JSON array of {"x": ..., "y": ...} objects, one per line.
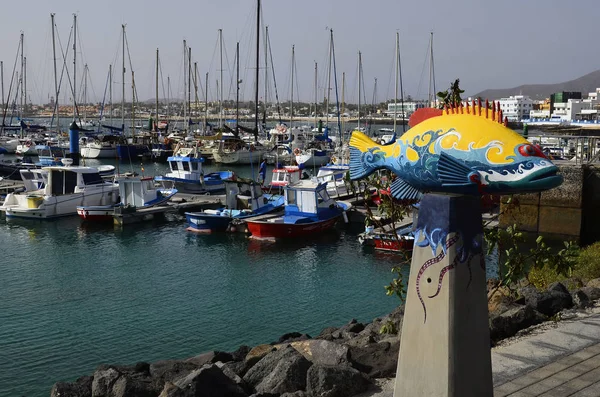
[{"x": 543, "y": 179}]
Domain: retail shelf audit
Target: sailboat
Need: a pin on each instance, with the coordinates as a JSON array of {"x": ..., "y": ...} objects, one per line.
[{"x": 235, "y": 150}]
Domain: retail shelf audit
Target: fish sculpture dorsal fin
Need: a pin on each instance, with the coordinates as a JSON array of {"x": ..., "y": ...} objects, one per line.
[
  {"x": 491, "y": 112},
  {"x": 423, "y": 114}
]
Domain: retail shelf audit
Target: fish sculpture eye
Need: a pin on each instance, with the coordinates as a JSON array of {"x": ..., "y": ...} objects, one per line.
[{"x": 530, "y": 151}]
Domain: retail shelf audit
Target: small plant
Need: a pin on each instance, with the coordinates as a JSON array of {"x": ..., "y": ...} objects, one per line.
[
  {"x": 389, "y": 327},
  {"x": 397, "y": 286}
]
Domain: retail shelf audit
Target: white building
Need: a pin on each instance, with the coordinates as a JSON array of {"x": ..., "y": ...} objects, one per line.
[
  {"x": 516, "y": 108},
  {"x": 408, "y": 108}
]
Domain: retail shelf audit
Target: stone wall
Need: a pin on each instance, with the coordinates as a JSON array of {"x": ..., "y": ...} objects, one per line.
[{"x": 558, "y": 212}]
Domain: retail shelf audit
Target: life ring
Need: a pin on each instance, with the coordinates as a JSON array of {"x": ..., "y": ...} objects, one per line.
[
  {"x": 333, "y": 159},
  {"x": 297, "y": 151}
]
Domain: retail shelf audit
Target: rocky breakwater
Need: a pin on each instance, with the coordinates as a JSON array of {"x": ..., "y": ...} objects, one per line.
[{"x": 339, "y": 362}]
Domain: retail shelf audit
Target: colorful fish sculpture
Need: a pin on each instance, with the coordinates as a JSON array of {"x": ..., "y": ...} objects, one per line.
[{"x": 463, "y": 150}]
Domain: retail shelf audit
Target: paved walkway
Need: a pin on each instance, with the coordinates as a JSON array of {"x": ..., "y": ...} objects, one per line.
[
  {"x": 560, "y": 362},
  {"x": 557, "y": 360}
]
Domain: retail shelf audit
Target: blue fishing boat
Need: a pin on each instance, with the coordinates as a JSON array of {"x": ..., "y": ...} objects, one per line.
[
  {"x": 187, "y": 176},
  {"x": 244, "y": 199}
]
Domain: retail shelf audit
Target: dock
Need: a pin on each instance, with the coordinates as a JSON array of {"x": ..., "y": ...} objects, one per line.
[{"x": 179, "y": 205}]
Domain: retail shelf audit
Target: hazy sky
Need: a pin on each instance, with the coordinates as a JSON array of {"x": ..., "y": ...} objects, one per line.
[{"x": 487, "y": 44}]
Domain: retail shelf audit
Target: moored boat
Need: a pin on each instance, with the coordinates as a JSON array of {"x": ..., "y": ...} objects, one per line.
[
  {"x": 308, "y": 211},
  {"x": 135, "y": 193},
  {"x": 187, "y": 176},
  {"x": 58, "y": 191},
  {"x": 243, "y": 198},
  {"x": 387, "y": 239}
]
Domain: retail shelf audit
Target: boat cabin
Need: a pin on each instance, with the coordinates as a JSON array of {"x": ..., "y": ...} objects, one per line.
[
  {"x": 331, "y": 173},
  {"x": 285, "y": 176},
  {"x": 185, "y": 167},
  {"x": 307, "y": 197},
  {"x": 50, "y": 155},
  {"x": 136, "y": 191},
  {"x": 34, "y": 179},
  {"x": 68, "y": 180},
  {"x": 241, "y": 194}
]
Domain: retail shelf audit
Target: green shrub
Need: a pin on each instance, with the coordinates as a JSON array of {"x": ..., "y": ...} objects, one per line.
[{"x": 587, "y": 266}]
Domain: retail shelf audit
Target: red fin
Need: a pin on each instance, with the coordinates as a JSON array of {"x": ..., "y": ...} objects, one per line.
[{"x": 423, "y": 114}]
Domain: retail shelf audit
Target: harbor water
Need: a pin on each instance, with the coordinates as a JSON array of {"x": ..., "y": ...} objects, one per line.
[{"x": 73, "y": 297}]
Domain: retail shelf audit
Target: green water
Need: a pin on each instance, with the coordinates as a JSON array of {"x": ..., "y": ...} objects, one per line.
[{"x": 73, "y": 297}]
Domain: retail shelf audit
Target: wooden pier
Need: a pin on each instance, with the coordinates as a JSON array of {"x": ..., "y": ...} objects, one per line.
[{"x": 180, "y": 204}]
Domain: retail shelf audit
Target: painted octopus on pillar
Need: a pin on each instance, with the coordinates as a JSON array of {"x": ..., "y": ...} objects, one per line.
[{"x": 465, "y": 150}]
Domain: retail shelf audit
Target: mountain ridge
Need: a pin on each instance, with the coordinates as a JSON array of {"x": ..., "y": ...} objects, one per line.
[{"x": 584, "y": 84}]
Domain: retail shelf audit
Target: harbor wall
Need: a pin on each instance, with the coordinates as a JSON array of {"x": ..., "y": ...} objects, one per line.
[{"x": 567, "y": 212}]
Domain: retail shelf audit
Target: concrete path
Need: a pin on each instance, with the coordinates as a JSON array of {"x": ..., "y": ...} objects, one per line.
[
  {"x": 564, "y": 361},
  {"x": 555, "y": 360}
]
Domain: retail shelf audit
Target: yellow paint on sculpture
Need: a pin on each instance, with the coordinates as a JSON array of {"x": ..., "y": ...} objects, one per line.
[{"x": 471, "y": 131}]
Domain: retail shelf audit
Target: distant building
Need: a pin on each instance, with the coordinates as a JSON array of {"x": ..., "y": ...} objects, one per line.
[
  {"x": 406, "y": 108},
  {"x": 516, "y": 108}
]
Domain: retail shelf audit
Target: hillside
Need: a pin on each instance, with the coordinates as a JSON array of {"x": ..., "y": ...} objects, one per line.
[{"x": 584, "y": 84}]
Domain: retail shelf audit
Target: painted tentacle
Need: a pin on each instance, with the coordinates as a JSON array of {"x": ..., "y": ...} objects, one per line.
[
  {"x": 450, "y": 242},
  {"x": 442, "y": 274}
]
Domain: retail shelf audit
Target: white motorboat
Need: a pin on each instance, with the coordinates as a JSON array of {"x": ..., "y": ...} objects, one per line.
[
  {"x": 58, "y": 191},
  {"x": 236, "y": 151}
]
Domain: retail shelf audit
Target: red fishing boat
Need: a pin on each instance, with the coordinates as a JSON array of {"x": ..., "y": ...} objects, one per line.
[{"x": 308, "y": 211}]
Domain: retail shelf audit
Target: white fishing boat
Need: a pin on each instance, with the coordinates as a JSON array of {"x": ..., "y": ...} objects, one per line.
[
  {"x": 136, "y": 193},
  {"x": 57, "y": 191}
]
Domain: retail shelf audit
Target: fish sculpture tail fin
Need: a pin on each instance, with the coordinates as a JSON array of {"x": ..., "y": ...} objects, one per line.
[{"x": 361, "y": 147}]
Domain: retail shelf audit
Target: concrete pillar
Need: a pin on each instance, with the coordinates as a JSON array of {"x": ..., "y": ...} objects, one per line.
[{"x": 445, "y": 340}]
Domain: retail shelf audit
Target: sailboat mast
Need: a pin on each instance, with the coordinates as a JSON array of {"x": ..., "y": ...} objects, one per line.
[
  {"x": 168, "y": 99},
  {"x": 328, "y": 79},
  {"x": 2, "y": 89},
  {"x": 74, "y": 66},
  {"x": 196, "y": 84},
  {"x": 431, "y": 74},
  {"x": 221, "y": 78},
  {"x": 266, "y": 70},
  {"x": 401, "y": 88},
  {"x": 343, "y": 99},
  {"x": 206, "y": 103},
  {"x": 55, "y": 77},
  {"x": 292, "y": 90},
  {"x": 189, "y": 99},
  {"x": 25, "y": 83},
  {"x": 257, "y": 69},
  {"x": 155, "y": 127},
  {"x": 21, "y": 81},
  {"x": 110, "y": 114},
  {"x": 184, "y": 82},
  {"x": 132, "y": 103},
  {"x": 359, "y": 84},
  {"x": 396, "y": 84},
  {"x": 123, "y": 83},
  {"x": 85, "y": 75},
  {"x": 316, "y": 94},
  {"x": 237, "y": 87}
]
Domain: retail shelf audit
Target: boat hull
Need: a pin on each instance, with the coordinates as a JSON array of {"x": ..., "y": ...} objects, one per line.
[
  {"x": 311, "y": 160},
  {"x": 280, "y": 230},
  {"x": 91, "y": 152},
  {"x": 132, "y": 151},
  {"x": 96, "y": 215},
  {"x": 239, "y": 157},
  {"x": 205, "y": 223}
]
